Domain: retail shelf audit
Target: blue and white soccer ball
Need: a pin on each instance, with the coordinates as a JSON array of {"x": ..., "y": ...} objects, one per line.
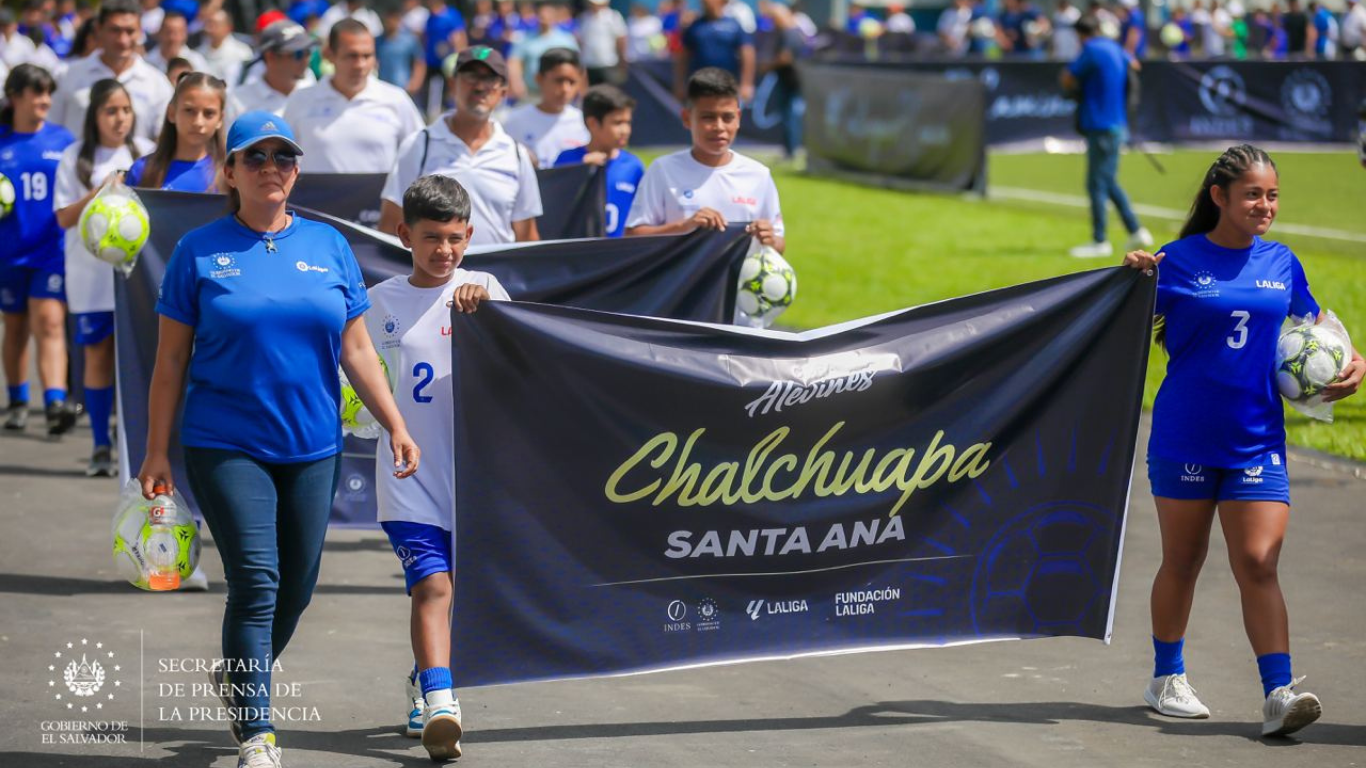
[
  {"x": 768, "y": 285},
  {"x": 1309, "y": 358}
]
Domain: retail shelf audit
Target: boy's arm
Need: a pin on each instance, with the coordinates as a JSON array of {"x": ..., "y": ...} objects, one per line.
[{"x": 746, "y": 73}]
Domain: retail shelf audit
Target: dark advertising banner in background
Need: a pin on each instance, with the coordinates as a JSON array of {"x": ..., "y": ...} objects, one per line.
[
  {"x": 901, "y": 127},
  {"x": 687, "y": 277},
  {"x": 662, "y": 494},
  {"x": 657, "y": 119}
]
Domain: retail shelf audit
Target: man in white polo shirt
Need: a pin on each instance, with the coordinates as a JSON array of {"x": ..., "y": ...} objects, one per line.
[
  {"x": 285, "y": 50},
  {"x": 173, "y": 43},
  {"x": 470, "y": 147},
  {"x": 350, "y": 122},
  {"x": 117, "y": 29}
]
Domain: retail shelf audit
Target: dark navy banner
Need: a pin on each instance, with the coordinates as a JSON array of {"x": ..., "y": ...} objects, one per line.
[
  {"x": 688, "y": 277},
  {"x": 637, "y": 494}
]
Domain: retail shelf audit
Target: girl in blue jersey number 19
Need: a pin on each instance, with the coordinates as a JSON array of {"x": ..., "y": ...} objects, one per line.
[{"x": 1218, "y": 436}]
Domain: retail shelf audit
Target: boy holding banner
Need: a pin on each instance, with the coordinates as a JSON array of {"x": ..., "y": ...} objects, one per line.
[
  {"x": 410, "y": 322},
  {"x": 607, "y": 114}
]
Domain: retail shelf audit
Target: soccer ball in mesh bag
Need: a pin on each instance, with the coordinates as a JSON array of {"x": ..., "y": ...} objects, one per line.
[
  {"x": 356, "y": 419},
  {"x": 767, "y": 284},
  {"x": 136, "y": 545},
  {"x": 114, "y": 228},
  {"x": 1308, "y": 358},
  {"x": 6, "y": 196}
]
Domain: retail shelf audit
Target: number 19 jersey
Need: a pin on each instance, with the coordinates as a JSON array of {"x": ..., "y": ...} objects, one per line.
[
  {"x": 411, "y": 329},
  {"x": 1223, "y": 310}
]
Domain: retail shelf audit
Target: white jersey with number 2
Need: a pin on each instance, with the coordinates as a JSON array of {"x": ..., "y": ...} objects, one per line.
[{"x": 411, "y": 328}]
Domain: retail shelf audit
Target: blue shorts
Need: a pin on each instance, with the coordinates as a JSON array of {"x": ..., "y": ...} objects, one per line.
[
  {"x": 422, "y": 549},
  {"x": 19, "y": 284},
  {"x": 93, "y": 327},
  {"x": 1267, "y": 481}
]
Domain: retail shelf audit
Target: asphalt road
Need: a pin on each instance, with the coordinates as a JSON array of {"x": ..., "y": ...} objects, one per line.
[{"x": 1053, "y": 703}]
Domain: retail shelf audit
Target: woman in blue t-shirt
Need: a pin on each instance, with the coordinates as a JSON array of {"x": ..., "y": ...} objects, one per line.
[
  {"x": 189, "y": 153},
  {"x": 1218, "y": 435},
  {"x": 258, "y": 309}
]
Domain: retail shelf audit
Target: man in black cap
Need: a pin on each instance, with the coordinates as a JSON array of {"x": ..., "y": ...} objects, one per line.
[
  {"x": 285, "y": 52},
  {"x": 472, "y": 148}
]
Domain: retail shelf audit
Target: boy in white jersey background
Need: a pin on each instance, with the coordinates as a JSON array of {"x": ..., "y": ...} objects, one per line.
[
  {"x": 410, "y": 321},
  {"x": 709, "y": 184},
  {"x": 553, "y": 124}
]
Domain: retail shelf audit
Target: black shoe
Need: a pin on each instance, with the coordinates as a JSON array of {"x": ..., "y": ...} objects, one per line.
[
  {"x": 101, "y": 463},
  {"x": 60, "y": 419},
  {"x": 18, "y": 416}
]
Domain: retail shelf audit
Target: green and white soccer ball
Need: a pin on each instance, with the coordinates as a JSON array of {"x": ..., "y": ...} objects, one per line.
[
  {"x": 1308, "y": 358},
  {"x": 6, "y": 196},
  {"x": 356, "y": 419},
  {"x": 767, "y": 285},
  {"x": 114, "y": 228},
  {"x": 1172, "y": 35},
  {"x": 137, "y": 548}
]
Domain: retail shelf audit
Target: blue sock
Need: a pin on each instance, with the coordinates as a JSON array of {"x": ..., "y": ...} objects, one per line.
[
  {"x": 1167, "y": 658},
  {"x": 18, "y": 393},
  {"x": 435, "y": 679},
  {"x": 1275, "y": 669},
  {"x": 53, "y": 395},
  {"x": 99, "y": 403}
]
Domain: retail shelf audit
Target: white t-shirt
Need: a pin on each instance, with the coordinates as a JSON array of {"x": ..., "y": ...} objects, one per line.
[
  {"x": 1214, "y": 42},
  {"x": 226, "y": 61},
  {"x": 339, "y": 11},
  {"x": 89, "y": 281},
  {"x": 415, "y": 20},
  {"x": 900, "y": 23},
  {"x": 148, "y": 86},
  {"x": 259, "y": 95},
  {"x": 357, "y": 135},
  {"x": 599, "y": 31},
  {"x": 953, "y": 26},
  {"x": 499, "y": 177},
  {"x": 548, "y": 135},
  {"x": 643, "y": 31},
  {"x": 676, "y": 186},
  {"x": 16, "y": 49},
  {"x": 411, "y": 328},
  {"x": 159, "y": 60}
]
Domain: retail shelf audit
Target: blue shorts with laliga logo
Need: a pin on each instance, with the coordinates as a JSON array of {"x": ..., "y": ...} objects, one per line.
[
  {"x": 422, "y": 549},
  {"x": 1266, "y": 481}
]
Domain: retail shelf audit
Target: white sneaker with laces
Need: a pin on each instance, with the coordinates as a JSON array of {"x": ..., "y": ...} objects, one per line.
[
  {"x": 416, "y": 706},
  {"x": 441, "y": 730},
  {"x": 1102, "y": 250},
  {"x": 1285, "y": 711},
  {"x": 259, "y": 752},
  {"x": 1173, "y": 696},
  {"x": 1141, "y": 238}
]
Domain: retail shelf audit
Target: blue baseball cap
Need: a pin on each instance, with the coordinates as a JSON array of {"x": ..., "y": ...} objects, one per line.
[{"x": 255, "y": 127}]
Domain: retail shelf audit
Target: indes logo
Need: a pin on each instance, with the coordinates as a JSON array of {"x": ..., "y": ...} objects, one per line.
[{"x": 1193, "y": 474}]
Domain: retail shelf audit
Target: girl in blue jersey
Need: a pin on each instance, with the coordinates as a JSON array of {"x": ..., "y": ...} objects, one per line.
[
  {"x": 258, "y": 309},
  {"x": 31, "y": 275},
  {"x": 189, "y": 153},
  {"x": 1218, "y": 436}
]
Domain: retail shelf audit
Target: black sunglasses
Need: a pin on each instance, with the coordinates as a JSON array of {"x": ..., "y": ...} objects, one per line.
[{"x": 255, "y": 159}]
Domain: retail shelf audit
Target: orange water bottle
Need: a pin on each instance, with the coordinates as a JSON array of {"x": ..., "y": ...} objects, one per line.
[{"x": 161, "y": 542}]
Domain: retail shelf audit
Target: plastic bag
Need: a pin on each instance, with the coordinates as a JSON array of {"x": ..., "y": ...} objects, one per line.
[
  {"x": 1302, "y": 351},
  {"x": 138, "y": 544},
  {"x": 767, "y": 287},
  {"x": 114, "y": 225}
]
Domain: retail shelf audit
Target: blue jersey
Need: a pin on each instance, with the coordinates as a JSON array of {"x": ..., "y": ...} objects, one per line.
[
  {"x": 182, "y": 176},
  {"x": 1223, "y": 309},
  {"x": 1136, "y": 21},
  {"x": 716, "y": 43},
  {"x": 623, "y": 176},
  {"x": 30, "y": 233},
  {"x": 267, "y": 336},
  {"x": 440, "y": 26},
  {"x": 1103, "y": 71}
]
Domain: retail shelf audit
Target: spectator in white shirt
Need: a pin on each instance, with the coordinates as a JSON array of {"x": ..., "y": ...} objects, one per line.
[
  {"x": 350, "y": 122},
  {"x": 151, "y": 17},
  {"x": 645, "y": 35},
  {"x": 224, "y": 53},
  {"x": 602, "y": 38},
  {"x": 415, "y": 16},
  {"x": 472, "y": 148},
  {"x": 117, "y": 31},
  {"x": 285, "y": 51},
  {"x": 349, "y": 9},
  {"x": 15, "y": 49},
  {"x": 1353, "y": 30},
  {"x": 172, "y": 43},
  {"x": 553, "y": 124},
  {"x": 898, "y": 21}
]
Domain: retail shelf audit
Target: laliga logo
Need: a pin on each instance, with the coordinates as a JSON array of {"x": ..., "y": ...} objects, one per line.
[
  {"x": 302, "y": 267},
  {"x": 1306, "y": 94},
  {"x": 753, "y": 609},
  {"x": 1222, "y": 91},
  {"x": 1253, "y": 471},
  {"x": 83, "y": 679}
]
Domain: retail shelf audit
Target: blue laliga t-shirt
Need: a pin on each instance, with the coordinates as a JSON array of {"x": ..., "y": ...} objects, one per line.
[
  {"x": 1103, "y": 71},
  {"x": 30, "y": 233},
  {"x": 263, "y": 376},
  {"x": 440, "y": 27},
  {"x": 623, "y": 176},
  {"x": 1218, "y": 405},
  {"x": 716, "y": 43},
  {"x": 182, "y": 176}
]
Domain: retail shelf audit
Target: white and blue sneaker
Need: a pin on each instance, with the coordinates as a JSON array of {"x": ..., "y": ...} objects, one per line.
[
  {"x": 259, "y": 752},
  {"x": 1285, "y": 711},
  {"x": 441, "y": 729},
  {"x": 416, "y": 707}
]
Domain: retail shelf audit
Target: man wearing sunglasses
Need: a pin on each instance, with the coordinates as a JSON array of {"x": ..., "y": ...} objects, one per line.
[{"x": 285, "y": 51}]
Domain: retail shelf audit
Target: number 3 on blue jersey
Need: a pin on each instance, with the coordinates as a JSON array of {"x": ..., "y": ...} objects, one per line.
[
  {"x": 1239, "y": 336},
  {"x": 426, "y": 373}
]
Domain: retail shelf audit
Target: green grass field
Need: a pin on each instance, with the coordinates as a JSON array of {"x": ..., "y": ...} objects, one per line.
[{"x": 859, "y": 251}]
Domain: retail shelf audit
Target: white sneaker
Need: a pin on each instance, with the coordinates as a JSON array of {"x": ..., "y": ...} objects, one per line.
[
  {"x": 441, "y": 729},
  {"x": 416, "y": 706},
  {"x": 1286, "y": 711},
  {"x": 1141, "y": 238},
  {"x": 197, "y": 582},
  {"x": 1101, "y": 250},
  {"x": 1173, "y": 696},
  {"x": 259, "y": 752}
]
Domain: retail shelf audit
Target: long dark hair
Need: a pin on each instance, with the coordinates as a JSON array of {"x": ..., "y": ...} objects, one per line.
[
  {"x": 100, "y": 93},
  {"x": 1204, "y": 214},
  {"x": 154, "y": 175},
  {"x": 25, "y": 77}
]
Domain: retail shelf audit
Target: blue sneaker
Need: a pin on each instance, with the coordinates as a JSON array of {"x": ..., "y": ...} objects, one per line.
[{"x": 416, "y": 705}]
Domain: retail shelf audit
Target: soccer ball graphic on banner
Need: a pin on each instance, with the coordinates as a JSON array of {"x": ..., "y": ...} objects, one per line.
[
  {"x": 355, "y": 417},
  {"x": 6, "y": 196},
  {"x": 1308, "y": 358},
  {"x": 768, "y": 285},
  {"x": 135, "y": 543},
  {"x": 114, "y": 228}
]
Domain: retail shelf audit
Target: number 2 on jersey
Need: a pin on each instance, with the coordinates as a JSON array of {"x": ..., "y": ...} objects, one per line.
[
  {"x": 426, "y": 373},
  {"x": 1239, "y": 336}
]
